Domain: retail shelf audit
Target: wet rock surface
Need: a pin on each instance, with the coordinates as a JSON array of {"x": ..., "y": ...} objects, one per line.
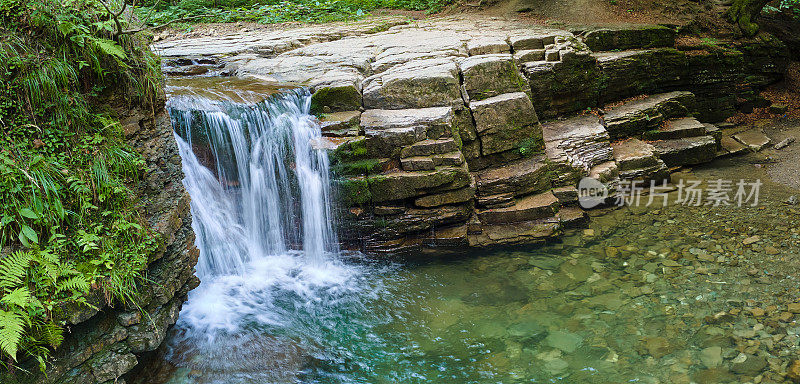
[{"x": 448, "y": 103}]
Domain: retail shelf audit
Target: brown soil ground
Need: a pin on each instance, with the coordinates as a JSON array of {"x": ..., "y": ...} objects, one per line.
[
  {"x": 565, "y": 13},
  {"x": 589, "y": 12},
  {"x": 786, "y": 92}
]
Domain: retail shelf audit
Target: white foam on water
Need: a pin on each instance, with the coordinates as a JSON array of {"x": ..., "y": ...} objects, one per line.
[{"x": 261, "y": 208}]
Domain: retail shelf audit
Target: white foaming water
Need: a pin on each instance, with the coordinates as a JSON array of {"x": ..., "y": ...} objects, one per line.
[{"x": 262, "y": 215}]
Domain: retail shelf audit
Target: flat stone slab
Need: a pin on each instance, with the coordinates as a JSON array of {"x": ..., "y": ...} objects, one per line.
[
  {"x": 381, "y": 126},
  {"x": 754, "y": 139},
  {"x": 485, "y": 45},
  {"x": 340, "y": 123},
  {"x": 714, "y": 131},
  {"x": 572, "y": 217},
  {"x": 566, "y": 195},
  {"x": 637, "y": 160},
  {"x": 389, "y": 142},
  {"x": 389, "y": 131},
  {"x": 272, "y": 41},
  {"x": 535, "y": 40},
  {"x": 504, "y": 122},
  {"x": 605, "y": 172},
  {"x": 732, "y": 147},
  {"x": 528, "y": 208},
  {"x": 638, "y": 116},
  {"x": 529, "y": 55},
  {"x": 519, "y": 178},
  {"x": 429, "y": 147},
  {"x": 634, "y": 154},
  {"x": 676, "y": 129},
  {"x": 415, "y": 84},
  {"x": 446, "y": 198},
  {"x": 517, "y": 233},
  {"x": 491, "y": 75},
  {"x": 399, "y": 185},
  {"x": 630, "y": 37},
  {"x": 686, "y": 151}
]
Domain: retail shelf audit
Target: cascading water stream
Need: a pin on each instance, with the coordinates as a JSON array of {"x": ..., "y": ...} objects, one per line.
[
  {"x": 278, "y": 195},
  {"x": 269, "y": 266}
]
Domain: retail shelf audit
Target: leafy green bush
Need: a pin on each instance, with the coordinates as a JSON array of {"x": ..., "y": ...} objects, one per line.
[
  {"x": 790, "y": 6},
  {"x": 69, "y": 227},
  {"x": 272, "y": 11}
]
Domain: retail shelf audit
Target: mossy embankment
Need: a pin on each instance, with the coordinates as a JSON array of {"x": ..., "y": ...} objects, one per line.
[{"x": 73, "y": 238}]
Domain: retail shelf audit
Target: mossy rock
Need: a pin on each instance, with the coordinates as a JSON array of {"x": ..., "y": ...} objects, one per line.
[
  {"x": 639, "y": 37},
  {"x": 353, "y": 191},
  {"x": 358, "y": 167},
  {"x": 351, "y": 151},
  {"x": 336, "y": 98}
]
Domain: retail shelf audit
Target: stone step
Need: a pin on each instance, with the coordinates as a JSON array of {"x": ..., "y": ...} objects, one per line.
[
  {"x": 572, "y": 217},
  {"x": 389, "y": 130},
  {"x": 634, "y": 154},
  {"x": 340, "y": 123},
  {"x": 608, "y": 174},
  {"x": 449, "y": 159},
  {"x": 657, "y": 173},
  {"x": 485, "y": 45},
  {"x": 635, "y": 117},
  {"x": 501, "y": 200},
  {"x": 677, "y": 129},
  {"x": 630, "y": 37},
  {"x": 527, "y": 208},
  {"x": 567, "y": 195},
  {"x": 416, "y": 84},
  {"x": 517, "y": 233},
  {"x": 447, "y": 198},
  {"x": 417, "y": 163},
  {"x": 637, "y": 160},
  {"x": 686, "y": 151},
  {"x": 581, "y": 141},
  {"x": 504, "y": 121},
  {"x": 529, "y": 55},
  {"x": 605, "y": 172},
  {"x": 487, "y": 76},
  {"x": 518, "y": 178},
  {"x": 399, "y": 185},
  {"x": 429, "y": 147}
]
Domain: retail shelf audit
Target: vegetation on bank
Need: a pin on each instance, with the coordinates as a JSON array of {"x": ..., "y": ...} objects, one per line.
[
  {"x": 745, "y": 12},
  {"x": 160, "y": 12},
  {"x": 69, "y": 230}
]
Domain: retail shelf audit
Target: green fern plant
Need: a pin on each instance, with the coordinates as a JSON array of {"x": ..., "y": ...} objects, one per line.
[{"x": 66, "y": 204}]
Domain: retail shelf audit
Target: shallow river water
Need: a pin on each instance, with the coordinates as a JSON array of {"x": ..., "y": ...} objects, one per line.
[
  {"x": 639, "y": 300},
  {"x": 675, "y": 294}
]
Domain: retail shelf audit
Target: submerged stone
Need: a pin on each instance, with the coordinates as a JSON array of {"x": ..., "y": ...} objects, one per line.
[{"x": 565, "y": 341}]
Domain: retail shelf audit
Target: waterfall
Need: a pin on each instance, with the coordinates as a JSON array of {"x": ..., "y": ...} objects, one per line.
[
  {"x": 261, "y": 212},
  {"x": 269, "y": 191}
]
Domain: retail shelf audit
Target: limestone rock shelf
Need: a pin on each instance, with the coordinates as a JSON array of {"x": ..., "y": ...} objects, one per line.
[{"x": 453, "y": 133}]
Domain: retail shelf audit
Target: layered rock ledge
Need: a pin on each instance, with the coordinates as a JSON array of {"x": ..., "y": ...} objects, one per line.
[{"x": 457, "y": 133}]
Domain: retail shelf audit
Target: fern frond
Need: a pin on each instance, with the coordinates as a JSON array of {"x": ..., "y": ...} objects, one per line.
[
  {"x": 19, "y": 297},
  {"x": 11, "y": 328},
  {"x": 75, "y": 284},
  {"x": 13, "y": 269}
]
